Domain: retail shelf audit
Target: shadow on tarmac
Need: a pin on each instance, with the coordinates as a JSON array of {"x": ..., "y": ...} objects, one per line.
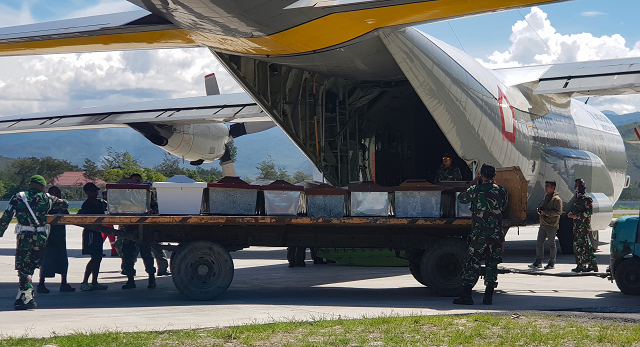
[{"x": 318, "y": 285}]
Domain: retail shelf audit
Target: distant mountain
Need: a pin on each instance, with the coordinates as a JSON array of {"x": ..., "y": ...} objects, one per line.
[
  {"x": 633, "y": 159},
  {"x": 620, "y": 119},
  {"x": 77, "y": 145},
  {"x": 609, "y": 113},
  {"x": 627, "y": 132}
]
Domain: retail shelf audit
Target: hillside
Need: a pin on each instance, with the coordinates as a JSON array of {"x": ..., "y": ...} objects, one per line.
[
  {"x": 621, "y": 119},
  {"x": 627, "y": 132},
  {"x": 5, "y": 162},
  {"x": 77, "y": 145},
  {"x": 633, "y": 159}
]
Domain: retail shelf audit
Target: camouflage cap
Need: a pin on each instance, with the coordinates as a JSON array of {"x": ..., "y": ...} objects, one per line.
[{"x": 37, "y": 179}]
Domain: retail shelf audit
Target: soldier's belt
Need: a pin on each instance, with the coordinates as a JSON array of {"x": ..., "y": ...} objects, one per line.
[{"x": 21, "y": 229}]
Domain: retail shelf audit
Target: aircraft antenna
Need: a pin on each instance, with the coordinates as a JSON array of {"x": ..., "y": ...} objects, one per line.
[
  {"x": 456, "y": 35},
  {"x": 535, "y": 32},
  {"x": 585, "y": 102}
]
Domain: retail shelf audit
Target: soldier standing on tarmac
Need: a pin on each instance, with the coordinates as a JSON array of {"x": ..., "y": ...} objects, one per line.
[
  {"x": 131, "y": 249},
  {"x": 488, "y": 200},
  {"x": 581, "y": 214},
  {"x": 30, "y": 208}
]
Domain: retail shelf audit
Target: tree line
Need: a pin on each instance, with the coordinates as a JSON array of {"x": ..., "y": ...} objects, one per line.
[{"x": 118, "y": 165}]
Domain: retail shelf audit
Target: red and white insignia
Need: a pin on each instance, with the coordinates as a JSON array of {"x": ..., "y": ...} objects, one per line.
[
  {"x": 508, "y": 118},
  {"x": 637, "y": 130}
]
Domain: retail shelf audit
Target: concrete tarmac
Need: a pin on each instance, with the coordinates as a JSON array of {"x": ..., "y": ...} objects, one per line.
[{"x": 265, "y": 289}]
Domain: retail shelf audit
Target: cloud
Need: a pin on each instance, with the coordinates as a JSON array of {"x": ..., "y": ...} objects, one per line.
[
  {"x": 10, "y": 16},
  {"x": 53, "y": 82},
  {"x": 103, "y": 7},
  {"x": 535, "y": 41},
  {"x": 592, "y": 14}
]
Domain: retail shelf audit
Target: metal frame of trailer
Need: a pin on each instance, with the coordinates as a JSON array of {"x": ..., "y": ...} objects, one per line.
[{"x": 202, "y": 267}]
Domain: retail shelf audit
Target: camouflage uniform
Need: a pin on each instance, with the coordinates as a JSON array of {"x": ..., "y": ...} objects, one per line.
[
  {"x": 451, "y": 173},
  {"x": 30, "y": 245},
  {"x": 488, "y": 200},
  {"x": 131, "y": 249},
  {"x": 583, "y": 209}
]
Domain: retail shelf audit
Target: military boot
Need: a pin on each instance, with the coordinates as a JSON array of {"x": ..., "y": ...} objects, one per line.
[
  {"x": 465, "y": 298},
  {"x": 152, "y": 281},
  {"x": 488, "y": 294},
  {"x": 131, "y": 283},
  {"x": 25, "y": 300}
]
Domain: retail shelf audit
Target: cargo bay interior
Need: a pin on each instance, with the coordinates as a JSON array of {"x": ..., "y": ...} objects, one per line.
[{"x": 352, "y": 130}]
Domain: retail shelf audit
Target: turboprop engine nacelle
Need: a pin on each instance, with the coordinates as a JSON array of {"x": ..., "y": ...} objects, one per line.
[{"x": 197, "y": 143}]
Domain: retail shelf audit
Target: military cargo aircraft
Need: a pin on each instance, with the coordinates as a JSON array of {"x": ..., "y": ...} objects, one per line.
[{"x": 363, "y": 94}]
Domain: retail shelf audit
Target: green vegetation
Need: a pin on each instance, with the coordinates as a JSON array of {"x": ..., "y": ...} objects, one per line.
[
  {"x": 118, "y": 165},
  {"x": 631, "y": 194},
  {"x": 17, "y": 172},
  {"x": 269, "y": 171},
  {"x": 627, "y": 132},
  {"x": 471, "y": 330},
  {"x": 633, "y": 159},
  {"x": 626, "y": 207}
]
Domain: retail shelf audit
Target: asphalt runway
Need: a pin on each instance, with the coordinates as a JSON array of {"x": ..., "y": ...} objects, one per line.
[{"x": 265, "y": 289}]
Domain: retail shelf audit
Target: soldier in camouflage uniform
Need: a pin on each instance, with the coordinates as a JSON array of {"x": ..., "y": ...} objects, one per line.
[
  {"x": 488, "y": 200},
  {"x": 131, "y": 249},
  {"x": 31, "y": 234},
  {"x": 447, "y": 172},
  {"x": 581, "y": 214}
]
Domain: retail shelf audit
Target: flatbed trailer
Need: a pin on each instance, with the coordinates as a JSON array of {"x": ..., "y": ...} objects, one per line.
[{"x": 202, "y": 267}]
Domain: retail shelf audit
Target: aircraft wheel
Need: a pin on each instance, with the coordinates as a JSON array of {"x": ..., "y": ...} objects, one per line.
[
  {"x": 628, "y": 276},
  {"x": 202, "y": 270},
  {"x": 441, "y": 266},
  {"x": 565, "y": 235}
]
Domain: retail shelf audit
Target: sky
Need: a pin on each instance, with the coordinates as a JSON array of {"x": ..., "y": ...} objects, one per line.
[
  {"x": 576, "y": 30},
  {"x": 571, "y": 31}
]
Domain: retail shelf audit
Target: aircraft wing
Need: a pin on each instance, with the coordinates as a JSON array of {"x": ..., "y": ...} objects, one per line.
[
  {"x": 224, "y": 108},
  {"x": 570, "y": 80},
  {"x": 120, "y": 31}
]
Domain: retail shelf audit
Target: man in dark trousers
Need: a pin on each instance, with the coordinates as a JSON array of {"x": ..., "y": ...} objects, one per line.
[
  {"x": 550, "y": 211},
  {"x": 488, "y": 200},
  {"x": 581, "y": 214}
]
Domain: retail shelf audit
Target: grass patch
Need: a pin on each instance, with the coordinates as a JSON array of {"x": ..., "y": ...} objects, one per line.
[
  {"x": 618, "y": 215},
  {"x": 626, "y": 207},
  {"x": 471, "y": 330}
]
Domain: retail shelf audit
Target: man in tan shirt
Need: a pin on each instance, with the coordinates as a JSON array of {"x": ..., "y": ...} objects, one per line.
[{"x": 549, "y": 210}]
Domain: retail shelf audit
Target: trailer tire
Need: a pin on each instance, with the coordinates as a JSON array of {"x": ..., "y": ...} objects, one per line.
[
  {"x": 565, "y": 235},
  {"x": 628, "y": 276},
  {"x": 441, "y": 266},
  {"x": 202, "y": 270},
  {"x": 414, "y": 266}
]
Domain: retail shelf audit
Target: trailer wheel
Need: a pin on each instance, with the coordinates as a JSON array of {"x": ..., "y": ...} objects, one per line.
[
  {"x": 565, "y": 235},
  {"x": 628, "y": 276},
  {"x": 442, "y": 264},
  {"x": 202, "y": 270},
  {"x": 414, "y": 266}
]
